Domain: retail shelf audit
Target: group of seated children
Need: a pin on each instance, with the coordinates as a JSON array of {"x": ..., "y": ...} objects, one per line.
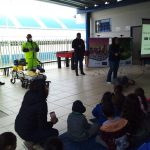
[{"x": 120, "y": 121}]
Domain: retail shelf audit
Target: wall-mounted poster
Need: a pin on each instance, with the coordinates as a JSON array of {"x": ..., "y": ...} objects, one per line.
[
  {"x": 98, "y": 52},
  {"x": 145, "y": 46}
]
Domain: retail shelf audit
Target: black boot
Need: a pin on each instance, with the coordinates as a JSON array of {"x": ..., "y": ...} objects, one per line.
[
  {"x": 77, "y": 73},
  {"x": 82, "y": 73},
  {"x": 2, "y": 83}
]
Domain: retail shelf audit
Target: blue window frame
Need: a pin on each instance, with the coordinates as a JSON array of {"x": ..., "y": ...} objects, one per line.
[{"x": 103, "y": 25}]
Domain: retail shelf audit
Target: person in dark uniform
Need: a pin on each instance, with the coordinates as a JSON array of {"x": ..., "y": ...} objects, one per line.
[
  {"x": 114, "y": 59},
  {"x": 79, "y": 50}
]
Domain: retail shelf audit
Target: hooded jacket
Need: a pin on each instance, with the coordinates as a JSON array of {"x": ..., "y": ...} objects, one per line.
[
  {"x": 114, "y": 132},
  {"x": 30, "y": 49},
  {"x": 32, "y": 115}
]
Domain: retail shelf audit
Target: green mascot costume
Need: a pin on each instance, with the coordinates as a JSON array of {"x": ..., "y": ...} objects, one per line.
[{"x": 30, "y": 49}]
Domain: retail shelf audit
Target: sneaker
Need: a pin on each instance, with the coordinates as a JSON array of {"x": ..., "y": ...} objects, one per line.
[
  {"x": 2, "y": 83},
  {"x": 108, "y": 82}
]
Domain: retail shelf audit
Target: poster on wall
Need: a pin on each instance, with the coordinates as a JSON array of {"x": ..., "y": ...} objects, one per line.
[
  {"x": 145, "y": 46},
  {"x": 98, "y": 52},
  {"x": 126, "y": 51}
]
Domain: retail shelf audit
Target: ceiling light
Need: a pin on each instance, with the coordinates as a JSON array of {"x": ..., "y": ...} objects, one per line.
[
  {"x": 106, "y": 3},
  {"x": 95, "y": 5},
  {"x": 119, "y": 0}
]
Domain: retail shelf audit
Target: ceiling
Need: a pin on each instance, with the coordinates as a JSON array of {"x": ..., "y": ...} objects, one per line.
[{"x": 91, "y": 5}]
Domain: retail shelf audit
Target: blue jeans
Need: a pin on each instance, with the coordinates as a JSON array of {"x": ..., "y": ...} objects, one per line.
[{"x": 114, "y": 65}]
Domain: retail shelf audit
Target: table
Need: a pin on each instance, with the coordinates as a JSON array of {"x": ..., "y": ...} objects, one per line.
[
  {"x": 6, "y": 70},
  {"x": 66, "y": 55}
]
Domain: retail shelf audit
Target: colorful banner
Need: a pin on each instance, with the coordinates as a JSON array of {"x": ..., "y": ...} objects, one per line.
[{"x": 98, "y": 52}]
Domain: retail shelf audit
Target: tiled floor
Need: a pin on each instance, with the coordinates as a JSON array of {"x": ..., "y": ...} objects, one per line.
[{"x": 64, "y": 89}]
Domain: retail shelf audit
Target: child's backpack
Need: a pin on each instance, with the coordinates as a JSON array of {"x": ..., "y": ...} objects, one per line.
[{"x": 16, "y": 62}]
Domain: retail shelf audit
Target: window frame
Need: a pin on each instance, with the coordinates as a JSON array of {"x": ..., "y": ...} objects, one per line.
[{"x": 103, "y": 25}]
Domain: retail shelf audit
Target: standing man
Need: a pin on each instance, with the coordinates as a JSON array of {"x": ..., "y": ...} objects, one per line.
[
  {"x": 114, "y": 59},
  {"x": 79, "y": 50},
  {"x": 30, "y": 49}
]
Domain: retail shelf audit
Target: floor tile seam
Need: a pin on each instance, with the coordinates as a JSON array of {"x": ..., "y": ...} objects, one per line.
[
  {"x": 5, "y": 110},
  {"x": 66, "y": 109},
  {"x": 9, "y": 108},
  {"x": 68, "y": 96},
  {"x": 5, "y": 125},
  {"x": 63, "y": 106}
]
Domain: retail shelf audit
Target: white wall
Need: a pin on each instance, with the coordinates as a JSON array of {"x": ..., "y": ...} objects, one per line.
[{"x": 122, "y": 19}]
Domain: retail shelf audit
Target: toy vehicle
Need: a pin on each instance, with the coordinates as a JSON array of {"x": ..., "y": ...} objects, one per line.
[{"x": 24, "y": 76}]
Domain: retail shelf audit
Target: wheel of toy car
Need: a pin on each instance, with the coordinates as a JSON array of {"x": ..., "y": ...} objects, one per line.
[
  {"x": 23, "y": 84},
  {"x": 26, "y": 84},
  {"x": 13, "y": 80}
]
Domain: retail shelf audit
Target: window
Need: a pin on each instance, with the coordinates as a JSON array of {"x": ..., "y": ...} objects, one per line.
[{"x": 103, "y": 25}]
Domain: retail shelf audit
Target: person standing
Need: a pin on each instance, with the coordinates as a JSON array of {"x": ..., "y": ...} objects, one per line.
[
  {"x": 30, "y": 48},
  {"x": 114, "y": 59},
  {"x": 79, "y": 50}
]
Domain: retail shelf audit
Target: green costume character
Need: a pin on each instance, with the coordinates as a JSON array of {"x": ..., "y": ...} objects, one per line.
[{"x": 30, "y": 49}]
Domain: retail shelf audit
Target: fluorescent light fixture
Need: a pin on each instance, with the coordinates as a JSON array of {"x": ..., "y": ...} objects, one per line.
[
  {"x": 106, "y": 3},
  {"x": 119, "y": 0},
  {"x": 95, "y": 5}
]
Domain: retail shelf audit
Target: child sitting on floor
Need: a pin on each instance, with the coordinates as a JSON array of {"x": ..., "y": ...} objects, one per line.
[
  {"x": 97, "y": 111},
  {"x": 142, "y": 99},
  {"x": 8, "y": 141},
  {"x": 118, "y": 99},
  {"x": 113, "y": 131},
  {"x": 77, "y": 125}
]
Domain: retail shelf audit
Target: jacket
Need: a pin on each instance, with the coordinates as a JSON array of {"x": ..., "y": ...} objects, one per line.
[
  {"x": 32, "y": 115},
  {"x": 77, "y": 126},
  {"x": 113, "y": 132},
  {"x": 98, "y": 113},
  {"x": 79, "y": 47},
  {"x": 112, "y": 50},
  {"x": 30, "y": 49}
]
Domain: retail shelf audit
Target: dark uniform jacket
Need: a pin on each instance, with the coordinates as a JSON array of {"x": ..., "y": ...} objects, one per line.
[
  {"x": 112, "y": 50},
  {"x": 79, "y": 47}
]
